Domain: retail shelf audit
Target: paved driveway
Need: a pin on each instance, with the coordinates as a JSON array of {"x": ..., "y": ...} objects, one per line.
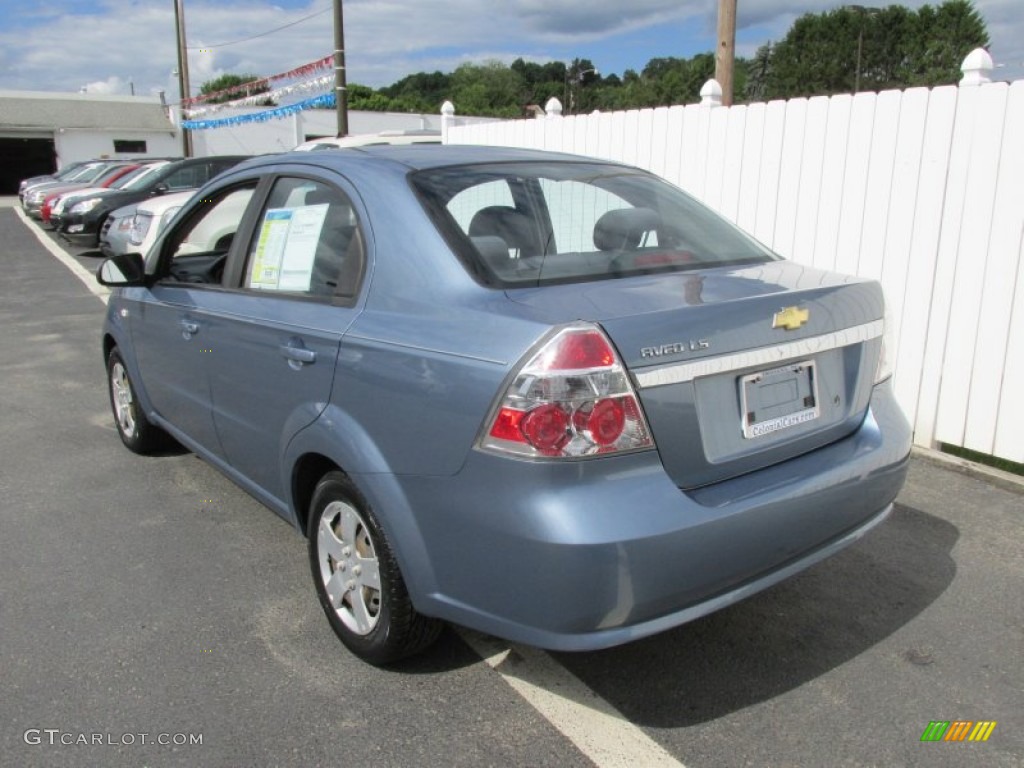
[{"x": 151, "y": 596}]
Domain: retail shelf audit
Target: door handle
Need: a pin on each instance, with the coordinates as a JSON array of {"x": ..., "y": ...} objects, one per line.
[
  {"x": 189, "y": 328},
  {"x": 297, "y": 354}
]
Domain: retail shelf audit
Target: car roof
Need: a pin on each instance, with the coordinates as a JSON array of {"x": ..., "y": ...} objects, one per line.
[
  {"x": 421, "y": 156},
  {"x": 177, "y": 163}
]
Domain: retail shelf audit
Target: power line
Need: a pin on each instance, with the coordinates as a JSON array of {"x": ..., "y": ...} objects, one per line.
[{"x": 261, "y": 34}]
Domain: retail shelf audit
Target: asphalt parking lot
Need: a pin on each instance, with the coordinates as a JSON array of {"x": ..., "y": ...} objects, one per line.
[{"x": 152, "y": 596}]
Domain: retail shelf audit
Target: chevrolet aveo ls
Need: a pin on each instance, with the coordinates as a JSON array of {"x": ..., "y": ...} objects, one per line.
[{"x": 550, "y": 398}]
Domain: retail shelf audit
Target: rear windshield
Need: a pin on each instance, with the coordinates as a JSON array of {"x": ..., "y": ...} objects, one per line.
[{"x": 524, "y": 224}]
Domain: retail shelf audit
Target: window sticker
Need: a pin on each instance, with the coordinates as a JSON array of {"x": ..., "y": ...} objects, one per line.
[{"x": 286, "y": 248}]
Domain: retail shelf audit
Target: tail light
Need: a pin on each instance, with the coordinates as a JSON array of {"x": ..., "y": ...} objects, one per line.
[{"x": 569, "y": 399}]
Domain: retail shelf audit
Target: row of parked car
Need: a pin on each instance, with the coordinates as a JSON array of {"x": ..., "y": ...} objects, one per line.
[
  {"x": 117, "y": 205},
  {"x": 121, "y": 205}
]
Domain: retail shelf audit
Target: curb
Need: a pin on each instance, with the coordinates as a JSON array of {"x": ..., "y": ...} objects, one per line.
[{"x": 1006, "y": 480}]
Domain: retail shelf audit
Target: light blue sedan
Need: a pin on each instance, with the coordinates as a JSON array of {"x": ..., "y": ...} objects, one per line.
[{"x": 550, "y": 398}]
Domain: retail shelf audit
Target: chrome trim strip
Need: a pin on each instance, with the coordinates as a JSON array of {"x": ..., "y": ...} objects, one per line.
[{"x": 679, "y": 373}]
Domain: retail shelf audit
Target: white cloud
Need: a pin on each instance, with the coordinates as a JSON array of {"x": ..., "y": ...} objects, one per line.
[
  {"x": 572, "y": 19},
  {"x": 107, "y": 43},
  {"x": 112, "y": 85}
]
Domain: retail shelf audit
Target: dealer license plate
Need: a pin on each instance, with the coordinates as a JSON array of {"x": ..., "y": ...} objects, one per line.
[{"x": 779, "y": 398}]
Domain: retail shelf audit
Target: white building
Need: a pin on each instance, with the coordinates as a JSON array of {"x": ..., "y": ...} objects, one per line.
[{"x": 41, "y": 131}]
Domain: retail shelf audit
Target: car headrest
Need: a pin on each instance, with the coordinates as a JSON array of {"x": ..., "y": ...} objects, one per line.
[
  {"x": 502, "y": 221},
  {"x": 319, "y": 196},
  {"x": 623, "y": 228}
]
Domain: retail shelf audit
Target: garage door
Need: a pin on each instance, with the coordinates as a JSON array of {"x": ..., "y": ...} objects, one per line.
[{"x": 21, "y": 158}]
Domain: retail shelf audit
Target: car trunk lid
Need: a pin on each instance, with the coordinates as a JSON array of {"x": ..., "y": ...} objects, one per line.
[{"x": 736, "y": 369}]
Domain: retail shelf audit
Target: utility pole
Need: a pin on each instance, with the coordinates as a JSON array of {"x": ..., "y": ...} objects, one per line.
[
  {"x": 863, "y": 12},
  {"x": 860, "y": 50},
  {"x": 183, "y": 86},
  {"x": 340, "y": 89},
  {"x": 725, "y": 53}
]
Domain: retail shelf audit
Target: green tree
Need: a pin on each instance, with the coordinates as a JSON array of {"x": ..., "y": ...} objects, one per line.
[
  {"x": 230, "y": 81},
  {"x": 758, "y": 73},
  {"x": 875, "y": 49},
  {"x": 487, "y": 89},
  {"x": 540, "y": 81},
  {"x": 364, "y": 98},
  {"x": 581, "y": 79},
  {"x": 422, "y": 92},
  {"x": 677, "y": 81},
  {"x": 943, "y": 37}
]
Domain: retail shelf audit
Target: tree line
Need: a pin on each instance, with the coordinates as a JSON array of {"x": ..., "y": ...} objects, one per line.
[{"x": 839, "y": 51}]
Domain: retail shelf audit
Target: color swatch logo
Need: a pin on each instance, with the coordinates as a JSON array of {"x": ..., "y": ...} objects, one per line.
[{"x": 958, "y": 730}]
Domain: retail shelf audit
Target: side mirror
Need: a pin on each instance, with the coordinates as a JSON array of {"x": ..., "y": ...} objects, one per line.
[{"x": 122, "y": 271}]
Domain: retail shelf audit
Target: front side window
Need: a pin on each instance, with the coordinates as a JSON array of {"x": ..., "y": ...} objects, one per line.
[
  {"x": 521, "y": 224},
  {"x": 307, "y": 242},
  {"x": 197, "y": 251}
]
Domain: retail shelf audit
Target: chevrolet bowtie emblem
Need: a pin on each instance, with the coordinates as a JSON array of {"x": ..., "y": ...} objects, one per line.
[{"x": 791, "y": 318}]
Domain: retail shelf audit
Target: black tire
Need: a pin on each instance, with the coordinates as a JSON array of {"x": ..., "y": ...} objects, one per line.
[
  {"x": 136, "y": 431},
  {"x": 357, "y": 578}
]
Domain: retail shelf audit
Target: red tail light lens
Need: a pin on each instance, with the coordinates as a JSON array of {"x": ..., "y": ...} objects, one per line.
[
  {"x": 602, "y": 421},
  {"x": 546, "y": 428},
  {"x": 570, "y": 399},
  {"x": 579, "y": 351}
]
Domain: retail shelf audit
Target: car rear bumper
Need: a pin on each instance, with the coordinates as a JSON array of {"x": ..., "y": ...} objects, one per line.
[{"x": 586, "y": 555}]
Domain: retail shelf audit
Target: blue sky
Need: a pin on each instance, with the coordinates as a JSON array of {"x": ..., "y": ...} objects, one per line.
[{"x": 112, "y": 46}]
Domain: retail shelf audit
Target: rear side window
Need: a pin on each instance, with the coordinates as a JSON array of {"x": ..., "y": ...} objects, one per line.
[
  {"x": 188, "y": 177},
  {"x": 521, "y": 224},
  {"x": 307, "y": 243}
]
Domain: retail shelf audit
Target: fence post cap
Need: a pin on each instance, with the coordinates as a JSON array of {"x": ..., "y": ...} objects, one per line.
[
  {"x": 553, "y": 108},
  {"x": 977, "y": 68},
  {"x": 448, "y": 109},
  {"x": 711, "y": 94}
]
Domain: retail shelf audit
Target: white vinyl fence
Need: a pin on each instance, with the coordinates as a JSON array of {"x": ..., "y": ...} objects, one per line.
[{"x": 921, "y": 189}]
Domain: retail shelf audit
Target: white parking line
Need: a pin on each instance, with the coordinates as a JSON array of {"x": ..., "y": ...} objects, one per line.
[
  {"x": 65, "y": 258},
  {"x": 597, "y": 729}
]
